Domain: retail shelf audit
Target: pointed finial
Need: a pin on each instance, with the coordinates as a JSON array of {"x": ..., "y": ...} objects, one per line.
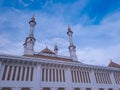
[
  {"x": 46, "y": 46},
  {"x": 33, "y": 18},
  {"x": 69, "y": 27},
  {"x": 56, "y": 48},
  {"x": 110, "y": 60}
]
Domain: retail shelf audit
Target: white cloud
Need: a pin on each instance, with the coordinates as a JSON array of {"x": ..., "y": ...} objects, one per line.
[
  {"x": 99, "y": 56},
  {"x": 61, "y": 43},
  {"x": 25, "y": 4},
  {"x": 44, "y": 28},
  {"x": 9, "y": 47},
  {"x": 51, "y": 29}
]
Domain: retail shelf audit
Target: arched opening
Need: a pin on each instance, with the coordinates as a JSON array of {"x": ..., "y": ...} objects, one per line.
[
  {"x": 110, "y": 89},
  {"x": 6, "y": 88},
  {"x": 25, "y": 88},
  {"x": 77, "y": 89},
  {"x": 61, "y": 88},
  {"x": 101, "y": 89},
  {"x": 88, "y": 88},
  {"x": 46, "y": 88}
]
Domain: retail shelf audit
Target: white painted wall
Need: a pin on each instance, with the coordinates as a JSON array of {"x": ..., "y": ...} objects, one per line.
[{"x": 37, "y": 83}]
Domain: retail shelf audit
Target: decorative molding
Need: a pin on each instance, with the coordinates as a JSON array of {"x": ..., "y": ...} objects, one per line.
[{"x": 34, "y": 61}]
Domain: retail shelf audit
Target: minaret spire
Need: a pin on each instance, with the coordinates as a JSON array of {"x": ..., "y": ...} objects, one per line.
[
  {"x": 30, "y": 40},
  {"x": 72, "y": 47},
  {"x": 69, "y": 33},
  {"x": 32, "y": 25}
]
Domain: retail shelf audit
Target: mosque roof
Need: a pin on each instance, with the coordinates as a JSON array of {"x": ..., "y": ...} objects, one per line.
[
  {"x": 47, "y": 50},
  {"x": 113, "y": 64}
]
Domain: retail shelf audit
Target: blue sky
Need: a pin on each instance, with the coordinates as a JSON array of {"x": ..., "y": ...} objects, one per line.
[{"x": 95, "y": 25}]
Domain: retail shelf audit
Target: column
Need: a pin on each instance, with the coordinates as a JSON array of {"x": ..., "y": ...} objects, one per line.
[
  {"x": 15, "y": 88},
  {"x": 48, "y": 74},
  {"x": 68, "y": 78},
  {"x": 44, "y": 74},
  {"x": 30, "y": 69},
  {"x": 7, "y": 71},
  {"x": 80, "y": 76},
  {"x": 37, "y": 77},
  {"x": 112, "y": 79},
  {"x": 55, "y": 76},
  {"x": 58, "y": 75},
  {"x": 82, "y": 88},
  {"x": 62, "y": 75},
  {"x": 93, "y": 80},
  {"x": 51, "y": 74},
  {"x": 53, "y": 88}
]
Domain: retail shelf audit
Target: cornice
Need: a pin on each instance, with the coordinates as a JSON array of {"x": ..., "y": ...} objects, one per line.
[{"x": 36, "y": 61}]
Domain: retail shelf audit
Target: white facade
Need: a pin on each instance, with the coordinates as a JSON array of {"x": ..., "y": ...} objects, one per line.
[
  {"x": 39, "y": 73},
  {"x": 49, "y": 71}
]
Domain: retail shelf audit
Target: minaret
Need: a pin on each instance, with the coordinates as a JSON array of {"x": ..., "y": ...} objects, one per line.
[
  {"x": 30, "y": 40},
  {"x": 56, "y": 49},
  {"x": 72, "y": 48}
]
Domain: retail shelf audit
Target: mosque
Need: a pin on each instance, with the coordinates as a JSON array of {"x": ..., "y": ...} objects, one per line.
[{"x": 47, "y": 70}]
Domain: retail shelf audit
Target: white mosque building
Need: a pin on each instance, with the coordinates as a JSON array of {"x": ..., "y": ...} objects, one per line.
[{"x": 47, "y": 70}]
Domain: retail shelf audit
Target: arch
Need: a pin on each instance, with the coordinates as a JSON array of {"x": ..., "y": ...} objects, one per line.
[
  {"x": 61, "y": 88},
  {"x": 46, "y": 88},
  {"x": 25, "y": 88},
  {"x": 6, "y": 88},
  {"x": 77, "y": 89},
  {"x": 101, "y": 89},
  {"x": 88, "y": 88},
  {"x": 110, "y": 89}
]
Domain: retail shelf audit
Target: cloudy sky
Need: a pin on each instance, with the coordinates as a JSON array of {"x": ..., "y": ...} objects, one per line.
[{"x": 95, "y": 25}]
